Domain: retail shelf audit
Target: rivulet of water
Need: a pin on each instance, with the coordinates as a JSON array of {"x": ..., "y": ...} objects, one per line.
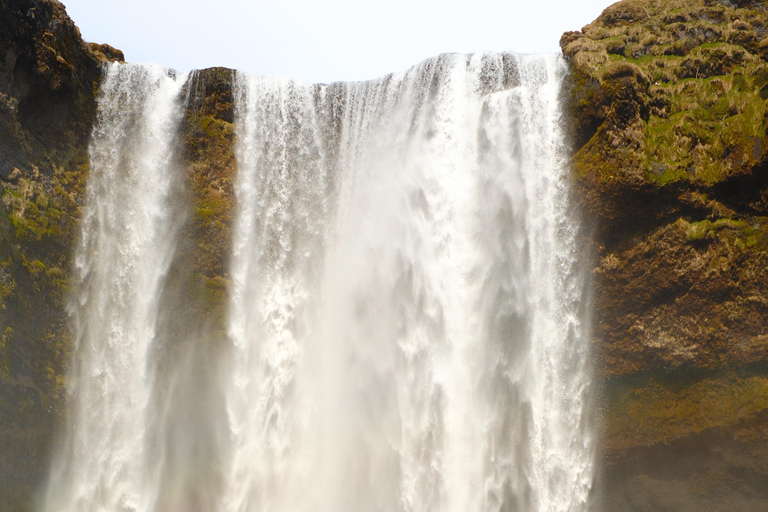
[{"x": 110, "y": 458}]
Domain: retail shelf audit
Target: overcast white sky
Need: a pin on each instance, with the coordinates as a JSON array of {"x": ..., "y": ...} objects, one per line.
[{"x": 324, "y": 40}]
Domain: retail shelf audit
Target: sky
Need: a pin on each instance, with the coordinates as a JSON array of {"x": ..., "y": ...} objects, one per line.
[{"x": 324, "y": 41}]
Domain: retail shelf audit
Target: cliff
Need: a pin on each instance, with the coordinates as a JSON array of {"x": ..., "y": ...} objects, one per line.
[
  {"x": 668, "y": 106},
  {"x": 48, "y": 78}
]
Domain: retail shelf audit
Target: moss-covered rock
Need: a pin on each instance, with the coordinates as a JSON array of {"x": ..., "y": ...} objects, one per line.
[
  {"x": 208, "y": 133},
  {"x": 48, "y": 80},
  {"x": 671, "y": 98},
  {"x": 668, "y": 107}
]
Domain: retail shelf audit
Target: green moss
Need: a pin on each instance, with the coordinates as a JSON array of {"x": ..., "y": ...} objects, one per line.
[
  {"x": 5, "y": 352},
  {"x": 659, "y": 413},
  {"x": 698, "y": 230},
  {"x": 7, "y": 282},
  {"x": 706, "y": 90},
  {"x": 710, "y": 121},
  {"x": 216, "y": 291},
  {"x": 36, "y": 268},
  {"x": 212, "y": 126},
  {"x": 757, "y": 234},
  {"x": 205, "y": 213},
  {"x": 713, "y": 229}
]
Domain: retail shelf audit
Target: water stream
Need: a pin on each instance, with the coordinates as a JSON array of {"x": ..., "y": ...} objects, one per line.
[{"x": 110, "y": 458}]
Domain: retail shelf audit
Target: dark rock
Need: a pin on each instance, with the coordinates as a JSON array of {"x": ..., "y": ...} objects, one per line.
[{"x": 48, "y": 79}]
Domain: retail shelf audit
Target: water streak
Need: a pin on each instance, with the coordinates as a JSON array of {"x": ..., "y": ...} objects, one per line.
[{"x": 111, "y": 456}]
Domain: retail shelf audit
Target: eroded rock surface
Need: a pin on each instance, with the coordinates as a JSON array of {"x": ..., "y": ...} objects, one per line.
[
  {"x": 668, "y": 103},
  {"x": 48, "y": 81}
]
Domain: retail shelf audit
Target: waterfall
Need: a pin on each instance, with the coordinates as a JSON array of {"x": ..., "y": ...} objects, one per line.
[
  {"x": 110, "y": 460},
  {"x": 408, "y": 312},
  {"x": 408, "y": 315}
]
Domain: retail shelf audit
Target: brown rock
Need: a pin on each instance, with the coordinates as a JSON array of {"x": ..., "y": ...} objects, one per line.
[{"x": 669, "y": 117}]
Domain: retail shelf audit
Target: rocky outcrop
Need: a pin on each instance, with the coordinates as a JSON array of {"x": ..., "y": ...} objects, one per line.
[
  {"x": 48, "y": 79},
  {"x": 208, "y": 135},
  {"x": 668, "y": 105}
]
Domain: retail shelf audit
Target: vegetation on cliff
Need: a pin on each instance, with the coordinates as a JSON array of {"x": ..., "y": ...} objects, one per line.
[
  {"x": 208, "y": 133},
  {"x": 668, "y": 104},
  {"x": 48, "y": 79}
]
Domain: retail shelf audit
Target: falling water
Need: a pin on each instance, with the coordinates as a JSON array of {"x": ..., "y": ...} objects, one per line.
[
  {"x": 408, "y": 317},
  {"x": 109, "y": 460},
  {"x": 408, "y": 304}
]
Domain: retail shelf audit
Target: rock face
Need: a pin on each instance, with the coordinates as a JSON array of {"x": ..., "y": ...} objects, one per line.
[
  {"x": 48, "y": 77},
  {"x": 208, "y": 133},
  {"x": 668, "y": 104}
]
